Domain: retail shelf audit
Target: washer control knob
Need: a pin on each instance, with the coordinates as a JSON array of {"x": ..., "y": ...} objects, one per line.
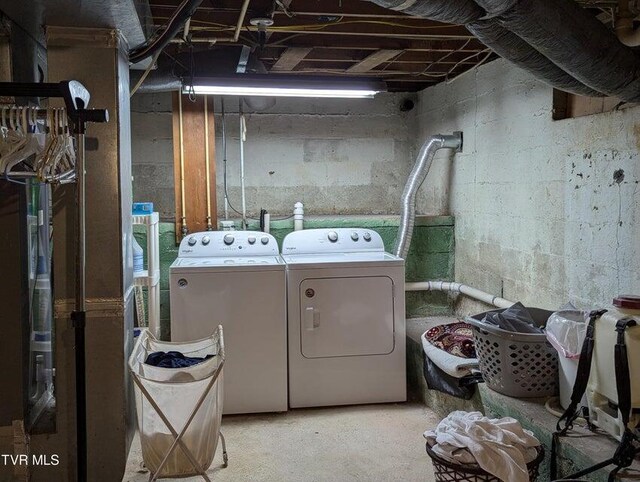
[
  {"x": 264, "y": 239},
  {"x": 367, "y": 237},
  {"x": 192, "y": 241},
  {"x": 355, "y": 236},
  {"x": 206, "y": 240},
  {"x": 333, "y": 236},
  {"x": 251, "y": 240},
  {"x": 228, "y": 239}
]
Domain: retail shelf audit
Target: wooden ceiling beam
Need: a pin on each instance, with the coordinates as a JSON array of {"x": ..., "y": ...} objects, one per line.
[
  {"x": 290, "y": 58},
  {"x": 373, "y": 60}
]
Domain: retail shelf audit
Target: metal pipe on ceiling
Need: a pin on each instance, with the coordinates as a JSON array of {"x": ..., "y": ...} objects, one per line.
[
  {"x": 574, "y": 40},
  {"x": 183, "y": 218},
  {"x": 206, "y": 161},
  {"x": 556, "y": 40}
]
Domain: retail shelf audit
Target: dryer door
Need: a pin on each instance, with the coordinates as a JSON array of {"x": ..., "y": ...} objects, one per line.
[{"x": 346, "y": 316}]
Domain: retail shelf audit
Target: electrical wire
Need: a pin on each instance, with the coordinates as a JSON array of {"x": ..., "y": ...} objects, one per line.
[
  {"x": 204, "y": 25},
  {"x": 176, "y": 22},
  {"x": 444, "y": 57}
]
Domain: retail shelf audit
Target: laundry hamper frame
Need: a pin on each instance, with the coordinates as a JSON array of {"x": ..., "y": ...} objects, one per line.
[
  {"x": 178, "y": 442},
  {"x": 446, "y": 471}
]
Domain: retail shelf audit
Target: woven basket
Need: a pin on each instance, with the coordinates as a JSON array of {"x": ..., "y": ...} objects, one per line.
[{"x": 446, "y": 471}]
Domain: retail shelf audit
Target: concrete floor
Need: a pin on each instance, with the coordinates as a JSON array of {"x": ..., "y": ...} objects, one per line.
[{"x": 339, "y": 444}]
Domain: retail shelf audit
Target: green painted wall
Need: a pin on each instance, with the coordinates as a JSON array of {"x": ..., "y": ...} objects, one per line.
[{"x": 431, "y": 255}]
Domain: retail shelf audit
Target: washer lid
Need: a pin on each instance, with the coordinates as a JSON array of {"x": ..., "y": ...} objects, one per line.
[
  {"x": 218, "y": 263},
  {"x": 301, "y": 261}
]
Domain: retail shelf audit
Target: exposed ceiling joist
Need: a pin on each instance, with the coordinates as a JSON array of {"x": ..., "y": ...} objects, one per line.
[
  {"x": 290, "y": 58},
  {"x": 373, "y": 60}
]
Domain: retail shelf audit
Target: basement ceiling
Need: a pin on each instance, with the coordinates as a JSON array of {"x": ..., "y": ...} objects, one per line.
[{"x": 338, "y": 38}]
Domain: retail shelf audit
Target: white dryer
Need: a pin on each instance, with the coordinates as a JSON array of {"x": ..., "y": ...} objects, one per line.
[
  {"x": 346, "y": 318},
  {"x": 236, "y": 279}
]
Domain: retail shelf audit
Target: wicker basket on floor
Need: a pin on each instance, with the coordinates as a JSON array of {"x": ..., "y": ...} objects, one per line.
[{"x": 446, "y": 471}]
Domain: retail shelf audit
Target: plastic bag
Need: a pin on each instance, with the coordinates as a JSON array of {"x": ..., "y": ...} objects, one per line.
[{"x": 566, "y": 330}]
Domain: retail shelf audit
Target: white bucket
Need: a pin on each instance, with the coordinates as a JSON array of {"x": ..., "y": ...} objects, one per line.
[{"x": 567, "y": 371}]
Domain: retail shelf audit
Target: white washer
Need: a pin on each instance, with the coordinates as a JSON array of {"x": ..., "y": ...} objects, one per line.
[
  {"x": 236, "y": 279},
  {"x": 346, "y": 318}
]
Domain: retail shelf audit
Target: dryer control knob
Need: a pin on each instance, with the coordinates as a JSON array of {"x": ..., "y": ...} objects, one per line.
[
  {"x": 355, "y": 236},
  {"x": 367, "y": 236},
  {"x": 333, "y": 236},
  {"x": 206, "y": 240},
  {"x": 251, "y": 239},
  {"x": 264, "y": 240},
  {"x": 228, "y": 239},
  {"x": 192, "y": 241}
]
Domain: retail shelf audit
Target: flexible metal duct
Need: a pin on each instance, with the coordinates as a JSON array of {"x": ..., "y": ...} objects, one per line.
[
  {"x": 493, "y": 35},
  {"x": 416, "y": 178},
  {"x": 460, "y": 11},
  {"x": 157, "y": 81},
  {"x": 512, "y": 48},
  {"x": 574, "y": 40}
]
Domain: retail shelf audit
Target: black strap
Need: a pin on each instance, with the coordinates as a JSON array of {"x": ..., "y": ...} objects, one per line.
[
  {"x": 623, "y": 377},
  {"x": 579, "y": 388},
  {"x": 582, "y": 377},
  {"x": 627, "y": 450}
]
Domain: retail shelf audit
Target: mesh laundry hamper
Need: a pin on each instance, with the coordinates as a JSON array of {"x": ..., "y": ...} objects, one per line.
[
  {"x": 522, "y": 365},
  {"x": 179, "y": 409}
]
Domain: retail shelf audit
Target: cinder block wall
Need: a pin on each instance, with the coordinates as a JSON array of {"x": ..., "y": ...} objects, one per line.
[
  {"x": 546, "y": 211},
  {"x": 337, "y": 156}
]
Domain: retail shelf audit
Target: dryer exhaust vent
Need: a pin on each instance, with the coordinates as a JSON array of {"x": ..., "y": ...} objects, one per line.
[{"x": 416, "y": 178}]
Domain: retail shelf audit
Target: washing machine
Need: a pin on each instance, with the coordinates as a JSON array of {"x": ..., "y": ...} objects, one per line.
[
  {"x": 346, "y": 318},
  {"x": 236, "y": 279}
]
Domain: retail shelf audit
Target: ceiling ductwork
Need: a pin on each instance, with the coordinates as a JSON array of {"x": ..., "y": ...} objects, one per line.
[{"x": 558, "y": 41}]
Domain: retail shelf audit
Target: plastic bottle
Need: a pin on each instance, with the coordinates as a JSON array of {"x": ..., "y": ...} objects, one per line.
[{"x": 138, "y": 257}]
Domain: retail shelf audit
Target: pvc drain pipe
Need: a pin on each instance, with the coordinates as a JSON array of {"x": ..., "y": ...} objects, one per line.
[{"x": 455, "y": 287}]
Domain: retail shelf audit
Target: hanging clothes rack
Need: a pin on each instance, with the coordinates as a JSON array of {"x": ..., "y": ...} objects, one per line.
[
  {"x": 43, "y": 135},
  {"x": 76, "y": 98}
]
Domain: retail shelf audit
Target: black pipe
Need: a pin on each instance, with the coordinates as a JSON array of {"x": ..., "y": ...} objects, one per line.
[
  {"x": 515, "y": 50},
  {"x": 459, "y": 11},
  {"x": 503, "y": 42},
  {"x": 78, "y": 319},
  {"x": 184, "y": 12},
  {"x": 575, "y": 40}
]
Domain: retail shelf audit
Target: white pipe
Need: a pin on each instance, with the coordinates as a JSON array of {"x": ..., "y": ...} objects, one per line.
[
  {"x": 224, "y": 159},
  {"x": 298, "y": 216},
  {"x": 183, "y": 221},
  {"x": 624, "y": 25},
  {"x": 455, "y": 287},
  {"x": 243, "y": 137},
  {"x": 206, "y": 161}
]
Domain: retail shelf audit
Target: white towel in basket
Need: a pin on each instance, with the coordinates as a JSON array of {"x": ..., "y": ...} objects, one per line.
[
  {"x": 500, "y": 445},
  {"x": 453, "y": 365}
]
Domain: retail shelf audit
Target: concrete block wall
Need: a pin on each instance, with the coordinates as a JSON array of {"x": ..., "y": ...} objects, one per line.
[
  {"x": 546, "y": 211},
  {"x": 337, "y": 156}
]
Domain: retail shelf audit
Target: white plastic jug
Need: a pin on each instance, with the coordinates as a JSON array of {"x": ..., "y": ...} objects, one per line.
[
  {"x": 566, "y": 330},
  {"x": 602, "y": 392}
]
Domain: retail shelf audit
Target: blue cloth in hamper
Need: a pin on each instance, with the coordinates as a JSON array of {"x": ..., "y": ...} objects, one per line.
[{"x": 173, "y": 359}]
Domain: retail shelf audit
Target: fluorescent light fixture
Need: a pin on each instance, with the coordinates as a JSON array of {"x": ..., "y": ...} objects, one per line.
[
  {"x": 287, "y": 86},
  {"x": 283, "y": 92}
]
